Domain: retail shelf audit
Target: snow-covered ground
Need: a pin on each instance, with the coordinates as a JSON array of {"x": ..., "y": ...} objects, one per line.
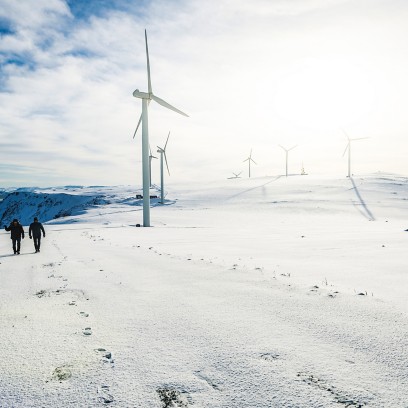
[{"x": 268, "y": 292}]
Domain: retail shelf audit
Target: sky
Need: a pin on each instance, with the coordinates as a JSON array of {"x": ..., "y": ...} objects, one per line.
[{"x": 250, "y": 75}]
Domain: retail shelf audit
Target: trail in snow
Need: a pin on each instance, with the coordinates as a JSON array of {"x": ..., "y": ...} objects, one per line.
[{"x": 143, "y": 325}]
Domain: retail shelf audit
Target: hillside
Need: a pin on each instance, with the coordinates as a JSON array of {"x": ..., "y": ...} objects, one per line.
[
  {"x": 270, "y": 292},
  {"x": 63, "y": 204}
]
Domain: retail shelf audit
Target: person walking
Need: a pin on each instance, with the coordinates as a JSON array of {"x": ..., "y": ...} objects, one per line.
[
  {"x": 35, "y": 232},
  {"x": 17, "y": 233}
]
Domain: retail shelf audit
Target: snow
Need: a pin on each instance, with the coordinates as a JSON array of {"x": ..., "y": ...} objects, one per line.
[{"x": 264, "y": 292}]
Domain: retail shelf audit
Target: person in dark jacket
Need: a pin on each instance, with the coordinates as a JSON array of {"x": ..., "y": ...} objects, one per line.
[
  {"x": 17, "y": 232},
  {"x": 35, "y": 232}
]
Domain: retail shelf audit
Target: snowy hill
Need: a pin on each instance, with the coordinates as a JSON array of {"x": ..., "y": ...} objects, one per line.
[
  {"x": 26, "y": 205},
  {"x": 63, "y": 204},
  {"x": 264, "y": 292}
]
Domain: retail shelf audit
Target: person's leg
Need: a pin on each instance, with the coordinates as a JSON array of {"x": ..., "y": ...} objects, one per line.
[
  {"x": 35, "y": 239},
  {"x": 18, "y": 245},
  {"x": 14, "y": 245},
  {"x": 38, "y": 243}
]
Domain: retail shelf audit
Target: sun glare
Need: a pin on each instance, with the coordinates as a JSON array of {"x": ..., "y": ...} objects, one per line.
[{"x": 324, "y": 94}]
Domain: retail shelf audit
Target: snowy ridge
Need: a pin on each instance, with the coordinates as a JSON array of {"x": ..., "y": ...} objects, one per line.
[
  {"x": 26, "y": 205},
  {"x": 63, "y": 204}
]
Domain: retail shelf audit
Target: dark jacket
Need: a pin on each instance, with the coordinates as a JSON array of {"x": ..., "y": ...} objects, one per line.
[
  {"x": 35, "y": 229},
  {"x": 17, "y": 231}
]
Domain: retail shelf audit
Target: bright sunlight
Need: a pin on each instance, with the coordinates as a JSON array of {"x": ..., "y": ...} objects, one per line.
[{"x": 325, "y": 94}]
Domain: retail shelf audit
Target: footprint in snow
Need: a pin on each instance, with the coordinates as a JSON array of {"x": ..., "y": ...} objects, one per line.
[
  {"x": 270, "y": 356},
  {"x": 48, "y": 265},
  {"x": 339, "y": 396},
  {"x": 208, "y": 380},
  {"x": 87, "y": 331},
  {"x": 170, "y": 397},
  {"x": 105, "y": 354},
  {"x": 84, "y": 314},
  {"x": 62, "y": 373},
  {"x": 105, "y": 396},
  {"x": 41, "y": 293}
]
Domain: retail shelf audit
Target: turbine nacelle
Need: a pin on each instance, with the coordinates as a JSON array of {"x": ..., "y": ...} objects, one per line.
[
  {"x": 287, "y": 150},
  {"x": 142, "y": 95}
]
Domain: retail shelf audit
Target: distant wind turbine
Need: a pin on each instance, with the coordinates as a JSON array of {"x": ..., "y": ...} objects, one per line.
[
  {"x": 236, "y": 175},
  {"x": 348, "y": 147},
  {"x": 287, "y": 154},
  {"x": 146, "y": 97},
  {"x": 150, "y": 164},
  {"x": 249, "y": 160},
  {"x": 162, "y": 151}
]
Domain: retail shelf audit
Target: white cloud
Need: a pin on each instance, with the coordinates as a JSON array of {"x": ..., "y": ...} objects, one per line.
[{"x": 225, "y": 63}]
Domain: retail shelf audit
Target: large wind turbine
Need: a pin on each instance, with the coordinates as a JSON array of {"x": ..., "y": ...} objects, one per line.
[
  {"x": 249, "y": 160},
  {"x": 287, "y": 154},
  {"x": 151, "y": 157},
  {"x": 146, "y": 97},
  {"x": 162, "y": 151},
  {"x": 348, "y": 147}
]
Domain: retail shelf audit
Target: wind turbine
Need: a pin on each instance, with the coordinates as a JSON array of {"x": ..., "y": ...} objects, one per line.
[
  {"x": 249, "y": 160},
  {"x": 150, "y": 165},
  {"x": 162, "y": 151},
  {"x": 348, "y": 147},
  {"x": 287, "y": 154},
  {"x": 236, "y": 175},
  {"x": 146, "y": 97}
]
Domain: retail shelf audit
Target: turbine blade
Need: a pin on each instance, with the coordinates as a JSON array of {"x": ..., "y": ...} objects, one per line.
[
  {"x": 283, "y": 148},
  {"x": 149, "y": 82},
  {"x": 292, "y": 148},
  {"x": 345, "y": 133},
  {"x": 166, "y": 141},
  {"x": 140, "y": 120},
  {"x": 359, "y": 138},
  {"x": 253, "y": 161},
  {"x": 167, "y": 105},
  {"x": 167, "y": 165},
  {"x": 348, "y": 145},
  {"x": 137, "y": 127}
]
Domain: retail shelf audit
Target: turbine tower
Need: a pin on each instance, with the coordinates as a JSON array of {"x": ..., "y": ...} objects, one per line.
[
  {"x": 249, "y": 160},
  {"x": 150, "y": 165},
  {"x": 348, "y": 147},
  {"x": 146, "y": 97},
  {"x": 287, "y": 154},
  {"x": 162, "y": 151}
]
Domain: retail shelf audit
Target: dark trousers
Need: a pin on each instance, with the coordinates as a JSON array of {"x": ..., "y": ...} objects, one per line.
[
  {"x": 37, "y": 242},
  {"x": 16, "y": 245}
]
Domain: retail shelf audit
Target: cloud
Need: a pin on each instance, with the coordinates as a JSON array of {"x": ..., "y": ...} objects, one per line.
[{"x": 68, "y": 70}]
